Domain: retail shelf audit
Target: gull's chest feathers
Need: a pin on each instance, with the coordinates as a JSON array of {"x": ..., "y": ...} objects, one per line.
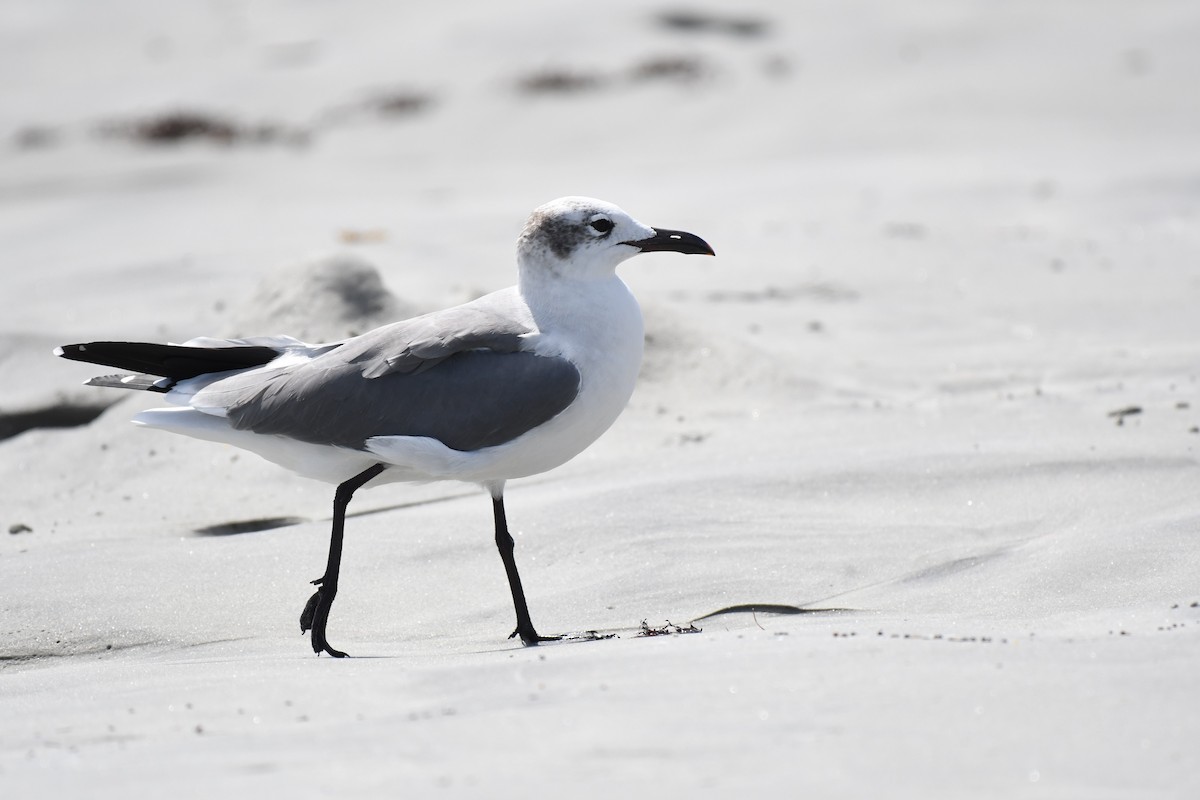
[{"x": 598, "y": 330}]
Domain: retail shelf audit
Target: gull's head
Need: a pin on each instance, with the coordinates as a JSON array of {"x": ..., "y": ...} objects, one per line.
[{"x": 581, "y": 237}]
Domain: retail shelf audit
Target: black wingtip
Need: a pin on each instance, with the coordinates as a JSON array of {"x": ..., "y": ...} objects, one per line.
[{"x": 177, "y": 362}]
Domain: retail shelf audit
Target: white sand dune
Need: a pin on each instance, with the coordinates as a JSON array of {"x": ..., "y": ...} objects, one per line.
[{"x": 875, "y": 433}]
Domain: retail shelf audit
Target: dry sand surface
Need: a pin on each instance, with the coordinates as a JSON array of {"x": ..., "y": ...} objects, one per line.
[{"x": 873, "y": 455}]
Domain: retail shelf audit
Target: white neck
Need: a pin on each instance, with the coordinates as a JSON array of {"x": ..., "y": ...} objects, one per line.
[{"x": 599, "y": 311}]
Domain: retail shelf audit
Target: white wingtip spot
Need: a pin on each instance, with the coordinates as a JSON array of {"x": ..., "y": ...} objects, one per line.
[{"x": 58, "y": 351}]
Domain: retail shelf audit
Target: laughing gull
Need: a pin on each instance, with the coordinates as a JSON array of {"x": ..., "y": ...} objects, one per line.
[{"x": 514, "y": 383}]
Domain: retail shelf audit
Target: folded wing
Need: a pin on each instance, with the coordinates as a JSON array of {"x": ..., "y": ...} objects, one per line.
[
  {"x": 468, "y": 400},
  {"x": 459, "y": 376}
]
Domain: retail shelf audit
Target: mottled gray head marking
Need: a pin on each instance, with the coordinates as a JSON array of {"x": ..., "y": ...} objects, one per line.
[
  {"x": 560, "y": 233},
  {"x": 561, "y": 227}
]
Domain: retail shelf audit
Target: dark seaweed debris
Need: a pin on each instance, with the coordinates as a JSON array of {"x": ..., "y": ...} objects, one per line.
[
  {"x": 691, "y": 21},
  {"x": 668, "y": 629},
  {"x": 559, "y": 81},
  {"x": 177, "y": 127},
  {"x": 1121, "y": 413}
]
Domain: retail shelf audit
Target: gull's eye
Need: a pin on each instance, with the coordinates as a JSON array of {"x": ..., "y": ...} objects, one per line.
[{"x": 601, "y": 224}]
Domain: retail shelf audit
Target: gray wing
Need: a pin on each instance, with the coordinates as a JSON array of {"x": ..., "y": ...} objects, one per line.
[
  {"x": 420, "y": 343},
  {"x": 458, "y": 376},
  {"x": 468, "y": 400}
]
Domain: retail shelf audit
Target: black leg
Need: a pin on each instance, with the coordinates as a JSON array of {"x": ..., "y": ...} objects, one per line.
[
  {"x": 316, "y": 611},
  {"x": 504, "y": 543}
]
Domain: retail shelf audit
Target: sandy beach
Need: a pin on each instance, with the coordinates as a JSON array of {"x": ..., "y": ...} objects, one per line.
[{"x": 908, "y": 492}]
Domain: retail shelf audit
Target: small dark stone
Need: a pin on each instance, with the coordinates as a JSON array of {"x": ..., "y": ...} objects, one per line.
[{"x": 19, "y": 527}]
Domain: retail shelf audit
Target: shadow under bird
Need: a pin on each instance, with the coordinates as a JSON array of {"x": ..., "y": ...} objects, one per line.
[{"x": 509, "y": 385}]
